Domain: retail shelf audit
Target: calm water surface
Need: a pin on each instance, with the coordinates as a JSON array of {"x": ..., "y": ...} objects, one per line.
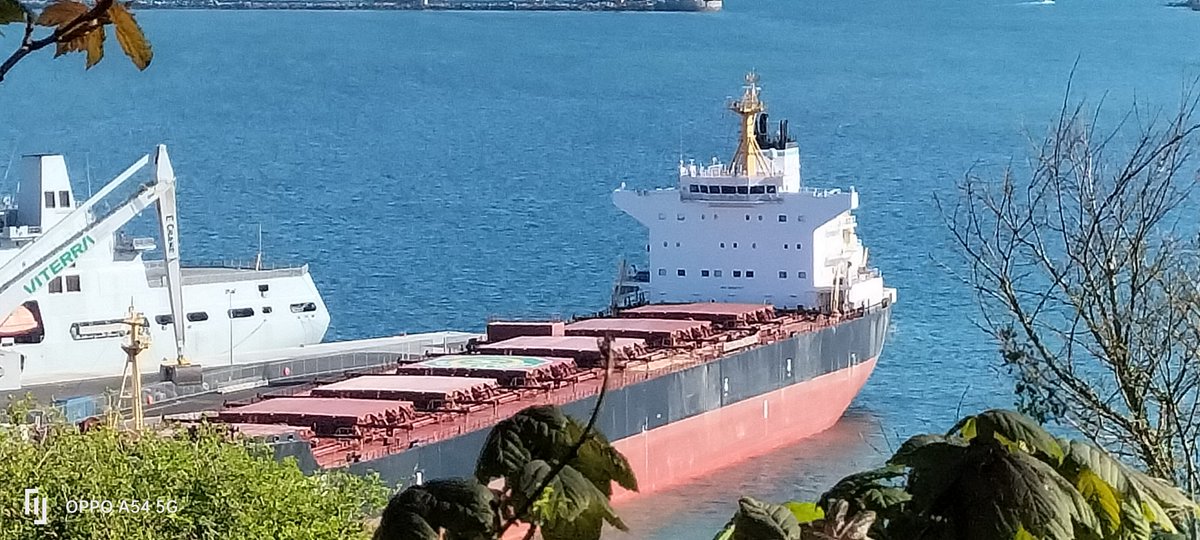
[{"x": 435, "y": 169}]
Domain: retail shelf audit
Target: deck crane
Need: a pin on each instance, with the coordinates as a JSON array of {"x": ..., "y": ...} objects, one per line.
[{"x": 36, "y": 264}]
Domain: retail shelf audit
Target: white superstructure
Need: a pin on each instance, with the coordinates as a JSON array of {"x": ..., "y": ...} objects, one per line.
[
  {"x": 69, "y": 277},
  {"x": 751, "y": 232}
]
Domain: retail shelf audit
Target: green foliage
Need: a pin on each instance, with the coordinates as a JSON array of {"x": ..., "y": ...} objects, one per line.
[
  {"x": 196, "y": 484},
  {"x": 996, "y": 476},
  {"x": 545, "y": 433},
  {"x": 11, "y": 11},
  {"x": 805, "y": 512},
  {"x": 461, "y": 507},
  {"x": 524, "y": 451}
]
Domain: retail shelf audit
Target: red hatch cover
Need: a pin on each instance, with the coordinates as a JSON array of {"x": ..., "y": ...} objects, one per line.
[
  {"x": 663, "y": 330},
  {"x": 508, "y": 370},
  {"x": 425, "y": 391},
  {"x": 705, "y": 311},
  {"x": 584, "y": 349},
  {"x": 325, "y": 416}
]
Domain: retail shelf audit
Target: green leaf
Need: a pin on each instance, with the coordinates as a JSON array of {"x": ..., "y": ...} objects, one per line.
[
  {"x": 534, "y": 433},
  {"x": 1102, "y": 499},
  {"x": 570, "y": 507},
  {"x": 935, "y": 464},
  {"x": 461, "y": 506},
  {"x": 1023, "y": 534},
  {"x": 1134, "y": 524},
  {"x": 1166, "y": 495},
  {"x": 1015, "y": 427},
  {"x": 868, "y": 490},
  {"x": 599, "y": 461},
  {"x": 11, "y": 11},
  {"x": 805, "y": 512},
  {"x": 757, "y": 520},
  {"x": 404, "y": 525}
]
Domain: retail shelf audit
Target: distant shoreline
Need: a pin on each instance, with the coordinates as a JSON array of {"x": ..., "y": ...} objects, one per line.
[{"x": 438, "y": 5}]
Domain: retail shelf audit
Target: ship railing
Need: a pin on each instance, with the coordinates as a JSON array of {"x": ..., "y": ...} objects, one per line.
[{"x": 821, "y": 193}]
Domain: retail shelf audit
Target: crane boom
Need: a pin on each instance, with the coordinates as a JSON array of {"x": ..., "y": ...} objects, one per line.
[{"x": 41, "y": 260}]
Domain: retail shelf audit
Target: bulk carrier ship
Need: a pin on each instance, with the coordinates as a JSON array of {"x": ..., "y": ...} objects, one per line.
[{"x": 756, "y": 325}]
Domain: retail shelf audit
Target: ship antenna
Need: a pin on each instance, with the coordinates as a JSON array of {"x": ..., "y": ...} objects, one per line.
[
  {"x": 258, "y": 257},
  {"x": 747, "y": 159},
  {"x": 88, "y": 169}
]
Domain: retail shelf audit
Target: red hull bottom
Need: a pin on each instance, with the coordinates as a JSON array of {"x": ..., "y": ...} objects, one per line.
[
  {"x": 696, "y": 446},
  {"x": 672, "y": 454}
]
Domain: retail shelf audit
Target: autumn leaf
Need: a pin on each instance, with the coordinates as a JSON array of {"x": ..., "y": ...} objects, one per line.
[
  {"x": 130, "y": 36},
  {"x": 11, "y": 11},
  {"x": 94, "y": 42},
  {"x": 61, "y": 13}
]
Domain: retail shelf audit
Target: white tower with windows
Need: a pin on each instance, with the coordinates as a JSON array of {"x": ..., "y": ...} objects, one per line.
[{"x": 750, "y": 232}]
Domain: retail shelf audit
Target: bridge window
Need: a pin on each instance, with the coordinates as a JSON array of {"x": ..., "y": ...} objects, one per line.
[
  {"x": 703, "y": 188},
  {"x": 728, "y": 190},
  {"x": 197, "y": 316},
  {"x": 783, "y": 218},
  {"x": 661, "y": 272},
  {"x": 694, "y": 188},
  {"x": 681, "y": 272},
  {"x": 756, "y": 190},
  {"x": 56, "y": 285},
  {"x": 164, "y": 319},
  {"x": 749, "y": 273},
  {"x": 782, "y": 275},
  {"x": 716, "y": 273},
  {"x": 72, "y": 283},
  {"x": 64, "y": 199},
  {"x": 737, "y": 273},
  {"x": 49, "y": 196},
  {"x": 801, "y": 275},
  {"x": 704, "y": 273},
  {"x": 770, "y": 189},
  {"x": 241, "y": 313},
  {"x": 742, "y": 190}
]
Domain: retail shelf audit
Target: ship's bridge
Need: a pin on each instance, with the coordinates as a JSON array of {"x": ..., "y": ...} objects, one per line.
[{"x": 749, "y": 232}]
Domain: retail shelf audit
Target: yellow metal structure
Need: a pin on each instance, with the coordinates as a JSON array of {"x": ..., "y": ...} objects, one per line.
[
  {"x": 137, "y": 340},
  {"x": 747, "y": 159}
]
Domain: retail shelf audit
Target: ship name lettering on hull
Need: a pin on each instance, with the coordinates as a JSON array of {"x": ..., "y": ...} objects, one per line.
[{"x": 56, "y": 266}]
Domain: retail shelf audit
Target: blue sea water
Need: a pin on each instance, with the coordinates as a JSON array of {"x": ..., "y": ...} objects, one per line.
[{"x": 435, "y": 169}]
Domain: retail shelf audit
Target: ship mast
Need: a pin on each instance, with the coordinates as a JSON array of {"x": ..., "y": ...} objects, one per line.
[{"x": 747, "y": 159}]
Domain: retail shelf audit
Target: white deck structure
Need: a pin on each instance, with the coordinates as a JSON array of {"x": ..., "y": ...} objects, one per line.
[
  {"x": 69, "y": 296},
  {"x": 751, "y": 232}
]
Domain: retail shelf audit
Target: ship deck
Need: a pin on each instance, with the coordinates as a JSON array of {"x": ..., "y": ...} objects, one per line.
[
  {"x": 251, "y": 374},
  {"x": 519, "y": 364}
]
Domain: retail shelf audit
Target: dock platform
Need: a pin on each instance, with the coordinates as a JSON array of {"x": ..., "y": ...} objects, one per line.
[{"x": 251, "y": 373}]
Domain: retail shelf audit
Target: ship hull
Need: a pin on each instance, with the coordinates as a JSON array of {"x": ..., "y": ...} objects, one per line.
[{"x": 691, "y": 422}]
